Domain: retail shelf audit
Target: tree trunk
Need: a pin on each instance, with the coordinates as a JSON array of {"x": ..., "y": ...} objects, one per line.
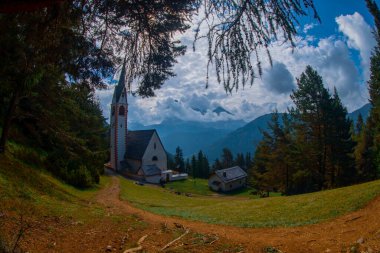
[{"x": 8, "y": 120}]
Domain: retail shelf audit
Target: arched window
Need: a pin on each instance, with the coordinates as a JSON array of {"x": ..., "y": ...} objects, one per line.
[
  {"x": 155, "y": 146},
  {"x": 113, "y": 110},
  {"x": 154, "y": 158},
  {"x": 121, "y": 110}
]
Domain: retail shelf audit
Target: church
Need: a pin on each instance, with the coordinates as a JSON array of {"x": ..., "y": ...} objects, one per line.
[{"x": 139, "y": 154}]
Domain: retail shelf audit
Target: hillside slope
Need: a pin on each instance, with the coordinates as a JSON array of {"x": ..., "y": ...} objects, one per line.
[
  {"x": 246, "y": 138},
  {"x": 191, "y": 136},
  {"x": 55, "y": 217}
]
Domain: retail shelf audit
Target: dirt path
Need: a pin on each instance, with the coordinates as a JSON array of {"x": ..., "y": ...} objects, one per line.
[{"x": 361, "y": 228}]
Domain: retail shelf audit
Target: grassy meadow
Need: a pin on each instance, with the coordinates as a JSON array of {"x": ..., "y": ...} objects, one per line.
[
  {"x": 246, "y": 212},
  {"x": 27, "y": 188},
  {"x": 199, "y": 186}
]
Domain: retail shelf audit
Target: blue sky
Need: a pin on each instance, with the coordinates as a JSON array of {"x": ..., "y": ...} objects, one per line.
[{"x": 339, "y": 49}]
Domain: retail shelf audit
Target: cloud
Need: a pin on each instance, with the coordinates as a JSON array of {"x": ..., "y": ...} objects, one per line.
[
  {"x": 308, "y": 27},
  {"x": 278, "y": 79},
  {"x": 359, "y": 37},
  {"x": 330, "y": 56}
]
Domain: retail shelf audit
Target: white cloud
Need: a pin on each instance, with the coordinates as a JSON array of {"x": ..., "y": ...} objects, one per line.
[
  {"x": 329, "y": 56},
  {"x": 359, "y": 37},
  {"x": 308, "y": 27}
]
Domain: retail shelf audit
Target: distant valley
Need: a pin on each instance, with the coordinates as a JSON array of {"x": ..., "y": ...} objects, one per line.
[{"x": 212, "y": 137}]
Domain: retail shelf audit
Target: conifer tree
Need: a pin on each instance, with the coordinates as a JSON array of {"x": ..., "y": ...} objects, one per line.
[
  {"x": 240, "y": 161},
  {"x": 310, "y": 117},
  {"x": 178, "y": 159},
  {"x": 370, "y": 148},
  {"x": 227, "y": 158},
  {"x": 359, "y": 124}
]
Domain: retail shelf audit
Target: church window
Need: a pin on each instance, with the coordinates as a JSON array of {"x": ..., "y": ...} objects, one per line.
[
  {"x": 155, "y": 146},
  {"x": 154, "y": 158},
  {"x": 121, "y": 110},
  {"x": 113, "y": 110}
]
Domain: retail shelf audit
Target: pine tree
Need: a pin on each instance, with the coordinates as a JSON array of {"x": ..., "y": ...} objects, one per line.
[
  {"x": 178, "y": 160},
  {"x": 370, "y": 149},
  {"x": 203, "y": 165},
  {"x": 310, "y": 116},
  {"x": 248, "y": 161},
  {"x": 240, "y": 161},
  {"x": 359, "y": 124},
  {"x": 322, "y": 134},
  {"x": 194, "y": 172},
  {"x": 341, "y": 169},
  {"x": 217, "y": 165},
  {"x": 227, "y": 158}
]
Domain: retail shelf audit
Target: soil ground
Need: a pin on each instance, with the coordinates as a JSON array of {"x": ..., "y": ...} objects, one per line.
[{"x": 355, "y": 232}]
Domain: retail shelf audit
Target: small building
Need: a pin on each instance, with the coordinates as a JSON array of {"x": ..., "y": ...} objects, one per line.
[
  {"x": 170, "y": 175},
  {"x": 229, "y": 179}
]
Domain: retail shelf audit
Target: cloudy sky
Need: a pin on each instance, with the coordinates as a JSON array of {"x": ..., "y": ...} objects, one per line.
[{"x": 339, "y": 49}]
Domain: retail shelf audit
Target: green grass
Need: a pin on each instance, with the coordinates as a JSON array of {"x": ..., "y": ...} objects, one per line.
[
  {"x": 199, "y": 186},
  {"x": 191, "y": 185},
  {"x": 23, "y": 186},
  {"x": 245, "y": 212}
]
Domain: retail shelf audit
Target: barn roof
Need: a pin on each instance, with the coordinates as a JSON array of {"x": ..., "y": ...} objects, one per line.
[
  {"x": 137, "y": 142},
  {"x": 151, "y": 170},
  {"x": 231, "y": 174}
]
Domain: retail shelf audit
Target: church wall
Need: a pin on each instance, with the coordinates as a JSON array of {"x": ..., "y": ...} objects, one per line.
[
  {"x": 135, "y": 164},
  {"x": 112, "y": 142},
  {"x": 118, "y": 132},
  {"x": 121, "y": 136},
  {"x": 158, "y": 152},
  {"x": 153, "y": 179}
]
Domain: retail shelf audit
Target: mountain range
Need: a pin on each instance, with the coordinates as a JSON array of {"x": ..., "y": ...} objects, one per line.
[{"x": 212, "y": 137}]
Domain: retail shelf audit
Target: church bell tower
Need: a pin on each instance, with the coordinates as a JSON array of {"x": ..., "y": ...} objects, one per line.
[{"x": 119, "y": 116}]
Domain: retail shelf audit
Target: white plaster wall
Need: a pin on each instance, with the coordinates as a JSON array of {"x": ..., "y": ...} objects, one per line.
[
  {"x": 212, "y": 186},
  {"x": 177, "y": 177},
  {"x": 159, "y": 152},
  {"x": 121, "y": 138},
  {"x": 225, "y": 187},
  {"x": 112, "y": 141},
  {"x": 119, "y": 128},
  {"x": 153, "y": 179},
  {"x": 233, "y": 185}
]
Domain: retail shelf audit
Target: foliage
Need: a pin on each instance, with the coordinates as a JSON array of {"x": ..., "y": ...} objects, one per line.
[
  {"x": 199, "y": 166},
  {"x": 227, "y": 160},
  {"x": 368, "y": 150},
  {"x": 237, "y": 30},
  {"x": 313, "y": 148},
  {"x": 178, "y": 160}
]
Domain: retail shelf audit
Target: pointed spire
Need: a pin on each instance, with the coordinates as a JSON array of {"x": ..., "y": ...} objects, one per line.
[{"x": 121, "y": 84}]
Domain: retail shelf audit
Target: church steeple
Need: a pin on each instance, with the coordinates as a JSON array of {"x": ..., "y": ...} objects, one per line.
[
  {"x": 120, "y": 88},
  {"x": 119, "y": 117}
]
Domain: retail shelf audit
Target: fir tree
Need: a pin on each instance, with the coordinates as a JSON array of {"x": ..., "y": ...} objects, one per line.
[
  {"x": 227, "y": 158},
  {"x": 178, "y": 160}
]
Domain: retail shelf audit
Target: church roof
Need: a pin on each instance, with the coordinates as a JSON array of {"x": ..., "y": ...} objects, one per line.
[
  {"x": 120, "y": 85},
  {"x": 137, "y": 142}
]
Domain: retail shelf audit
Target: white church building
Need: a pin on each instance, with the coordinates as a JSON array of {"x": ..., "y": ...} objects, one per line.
[{"x": 137, "y": 154}]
